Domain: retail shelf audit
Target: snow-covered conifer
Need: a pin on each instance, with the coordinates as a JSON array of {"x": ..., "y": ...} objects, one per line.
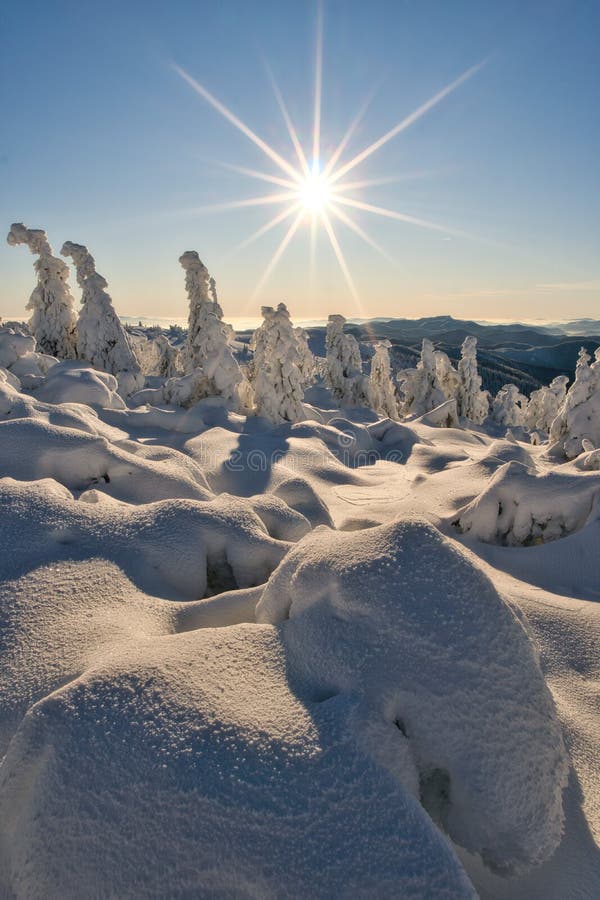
[
  {"x": 306, "y": 362},
  {"x": 344, "y": 365},
  {"x": 473, "y": 403},
  {"x": 101, "y": 339},
  {"x": 544, "y": 404},
  {"x": 578, "y": 418},
  {"x": 448, "y": 379},
  {"x": 381, "y": 386},
  {"x": 277, "y": 379},
  {"x": 53, "y": 318},
  {"x": 206, "y": 352},
  {"x": 508, "y": 407},
  {"x": 419, "y": 387}
]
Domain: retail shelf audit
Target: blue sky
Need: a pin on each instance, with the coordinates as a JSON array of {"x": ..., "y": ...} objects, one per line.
[{"x": 105, "y": 144}]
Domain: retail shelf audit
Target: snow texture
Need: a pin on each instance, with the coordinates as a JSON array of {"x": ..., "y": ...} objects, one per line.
[
  {"x": 324, "y": 658},
  {"x": 439, "y": 666}
]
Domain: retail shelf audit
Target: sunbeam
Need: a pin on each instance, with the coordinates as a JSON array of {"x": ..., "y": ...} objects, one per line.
[
  {"x": 407, "y": 122},
  {"x": 339, "y": 255},
  {"x": 278, "y": 254},
  {"x": 251, "y": 135},
  {"x": 346, "y": 220},
  {"x": 264, "y": 229},
  {"x": 288, "y": 122},
  {"x": 318, "y": 87},
  {"x": 314, "y": 191},
  {"x": 261, "y": 176}
]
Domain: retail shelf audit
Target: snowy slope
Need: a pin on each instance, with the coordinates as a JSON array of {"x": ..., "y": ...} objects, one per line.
[{"x": 347, "y": 657}]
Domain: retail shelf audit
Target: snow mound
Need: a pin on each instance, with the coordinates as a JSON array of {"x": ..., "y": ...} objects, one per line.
[
  {"x": 14, "y": 346},
  {"x": 521, "y": 508},
  {"x": 452, "y": 700},
  {"x": 191, "y": 768},
  {"x": 31, "y": 449},
  {"x": 73, "y": 382},
  {"x": 177, "y": 549}
]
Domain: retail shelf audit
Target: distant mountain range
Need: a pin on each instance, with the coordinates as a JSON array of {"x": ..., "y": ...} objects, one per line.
[{"x": 524, "y": 354}]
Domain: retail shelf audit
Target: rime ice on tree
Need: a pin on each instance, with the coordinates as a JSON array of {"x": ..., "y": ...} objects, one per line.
[
  {"x": 578, "y": 418},
  {"x": 508, "y": 407},
  {"x": 419, "y": 387},
  {"x": 545, "y": 403},
  {"x": 306, "y": 362},
  {"x": 277, "y": 379},
  {"x": 344, "y": 376},
  {"x": 53, "y": 319},
  {"x": 207, "y": 354},
  {"x": 381, "y": 387},
  {"x": 101, "y": 339},
  {"x": 473, "y": 403}
]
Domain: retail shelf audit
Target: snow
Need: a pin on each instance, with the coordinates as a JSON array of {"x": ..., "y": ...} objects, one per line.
[
  {"x": 53, "y": 318},
  {"x": 101, "y": 339},
  {"x": 339, "y": 656},
  {"x": 278, "y": 369},
  {"x": 208, "y": 361},
  {"x": 577, "y": 422}
]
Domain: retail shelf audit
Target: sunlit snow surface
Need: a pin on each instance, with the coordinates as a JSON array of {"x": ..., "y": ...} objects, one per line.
[{"x": 344, "y": 658}]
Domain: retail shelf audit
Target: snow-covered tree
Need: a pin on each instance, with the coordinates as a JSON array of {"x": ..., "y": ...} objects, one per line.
[
  {"x": 473, "y": 403},
  {"x": 53, "y": 317},
  {"x": 306, "y": 363},
  {"x": 344, "y": 375},
  {"x": 101, "y": 339},
  {"x": 277, "y": 380},
  {"x": 206, "y": 352},
  {"x": 156, "y": 355},
  {"x": 509, "y": 406},
  {"x": 578, "y": 418},
  {"x": 545, "y": 403},
  {"x": 448, "y": 379},
  {"x": 381, "y": 387},
  {"x": 419, "y": 387}
]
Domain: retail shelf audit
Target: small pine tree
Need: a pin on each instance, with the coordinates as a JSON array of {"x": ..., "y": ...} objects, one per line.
[{"x": 53, "y": 319}]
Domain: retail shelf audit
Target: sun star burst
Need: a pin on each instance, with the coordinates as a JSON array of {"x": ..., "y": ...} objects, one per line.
[{"x": 313, "y": 192}]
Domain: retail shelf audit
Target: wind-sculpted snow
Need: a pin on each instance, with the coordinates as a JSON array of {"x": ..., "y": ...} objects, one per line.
[
  {"x": 518, "y": 507},
  {"x": 433, "y": 652},
  {"x": 386, "y": 712},
  {"x": 180, "y": 549},
  {"x": 190, "y": 767}
]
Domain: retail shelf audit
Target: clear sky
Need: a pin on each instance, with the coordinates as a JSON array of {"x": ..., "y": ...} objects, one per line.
[{"x": 105, "y": 143}]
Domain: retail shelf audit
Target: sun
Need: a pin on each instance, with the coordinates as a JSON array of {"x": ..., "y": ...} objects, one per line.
[
  {"x": 314, "y": 192},
  {"x": 320, "y": 194}
]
